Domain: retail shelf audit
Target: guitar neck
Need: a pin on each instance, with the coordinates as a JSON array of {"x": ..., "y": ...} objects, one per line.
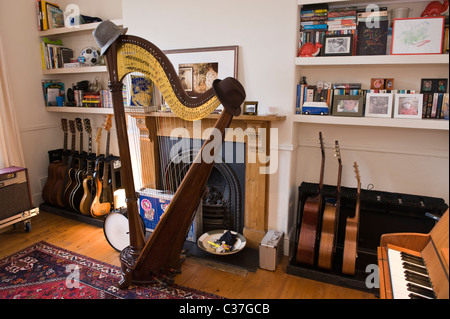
[{"x": 66, "y": 137}]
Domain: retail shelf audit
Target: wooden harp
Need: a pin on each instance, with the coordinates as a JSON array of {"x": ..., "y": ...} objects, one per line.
[{"x": 158, "y": 259}]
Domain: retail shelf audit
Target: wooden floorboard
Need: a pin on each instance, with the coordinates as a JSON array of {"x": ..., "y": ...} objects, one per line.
[{"x": 89, "y": 240}]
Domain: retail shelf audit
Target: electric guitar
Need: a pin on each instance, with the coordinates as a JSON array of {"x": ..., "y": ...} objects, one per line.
[
  {"x": 76, "y": 164},
  {"x": 330, "y": 221},
  {"x": 352, "y": 234},
  {"x": 53, "y": 168},
  {"x": 103, "y": 200},
  {"x": 307, "y": 241},
  {"x": 88, "y": 187}
]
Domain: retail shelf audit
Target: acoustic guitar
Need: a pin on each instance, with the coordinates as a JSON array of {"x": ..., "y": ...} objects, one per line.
[
  {"x": 88, "y": 187},
  {"x": 330, "y": 220},
  {"x": 307, "y": 241},
  {"x": 52, "y": 176},
  {"x": 103, "y": 200},
  {"x": 351, "y": 234}
]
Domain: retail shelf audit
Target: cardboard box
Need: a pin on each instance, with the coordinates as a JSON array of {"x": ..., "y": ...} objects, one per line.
[
  {"x": 271, "y": 250},
  {"x": 152, "y": 205}
]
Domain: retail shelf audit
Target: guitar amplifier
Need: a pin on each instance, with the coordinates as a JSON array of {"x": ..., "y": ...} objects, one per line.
[{"x": 16, "y": 204}]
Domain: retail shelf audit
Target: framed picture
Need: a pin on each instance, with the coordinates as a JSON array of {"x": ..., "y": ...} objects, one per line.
[
  {"x": 408, "y": 106},
  {"x": 433, "y": 85},
  {"x": 251, "y": 107},
  {"x": 338, "y": 45},
  {"x": 378, "y": 105},
  {"x": 348, "y": 105},
  {"x": 198, "y": 68},
  {"x": 418, "y": 35}
]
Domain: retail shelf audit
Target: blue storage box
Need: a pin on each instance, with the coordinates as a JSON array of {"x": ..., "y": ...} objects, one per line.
[{"x": 152, "y": 205}]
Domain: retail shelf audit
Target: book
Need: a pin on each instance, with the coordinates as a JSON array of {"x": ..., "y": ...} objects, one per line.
[{"x": 55, "y": 16}]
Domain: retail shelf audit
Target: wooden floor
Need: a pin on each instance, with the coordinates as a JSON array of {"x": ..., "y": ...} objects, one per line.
[{"x": 89, "y": 241}]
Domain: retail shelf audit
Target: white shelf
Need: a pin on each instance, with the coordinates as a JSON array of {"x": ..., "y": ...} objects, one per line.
[
  {"x": 373, "y": 60},
  {"x": 84, "y": 110},
  {"x": 79, "y": 28},
  {"x": 428, "y": 124},
  {"x": 84, "y": 69}
]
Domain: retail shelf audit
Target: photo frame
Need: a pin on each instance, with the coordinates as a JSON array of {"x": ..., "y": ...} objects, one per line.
[
  {"x": 418, "y": 35},
  {"x": 408, "y": 106},
  {"x": 338, "y": 45},
  {"x": 199, "y": 67},
  {"x": 379, "y": 105},
  {"x": 433, "y": 85},
  {"x": 250, "y": 108},
  {"x": 348, "y": 105}
]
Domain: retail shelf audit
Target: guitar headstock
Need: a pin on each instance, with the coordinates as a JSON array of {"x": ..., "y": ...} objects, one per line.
[
  {"x": 79, "y": 124},
  {"x": 337, "y": 152},
  {"x": 72, "y": 126},
  {"x": 355, "y": 166},
  {"x": 108, "y": 122},
  {"x": 98, "y": 137},
  {"x": 64, "y": 125},
  {"x": 87, "y": 126},
  {"x": 321, "y": 144}
]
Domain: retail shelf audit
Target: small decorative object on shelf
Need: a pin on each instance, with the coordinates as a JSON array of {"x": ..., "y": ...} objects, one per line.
[
  {"x": 251, "y": 107},
  {"x": 309, "y": 50},
  {"x": 435, "y": 8}
]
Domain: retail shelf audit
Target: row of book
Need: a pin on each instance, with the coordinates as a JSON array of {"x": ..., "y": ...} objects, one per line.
[
  {"x": 435, "y": 106},
  {"x": 54, "y": 54},
  {"x": 49, "y": 15}
]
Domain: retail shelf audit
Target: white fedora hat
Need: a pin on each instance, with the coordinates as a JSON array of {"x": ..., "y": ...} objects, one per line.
[{"x": 106, "y": 33}]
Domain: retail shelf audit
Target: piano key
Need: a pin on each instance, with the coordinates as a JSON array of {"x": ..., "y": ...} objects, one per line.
[
  {"x": 413, "y": 260},
  {"x": 414, "y": 268},
  {"x": 414, "y": 296},
  {"x": 408, "y": 278},
  {"x": 420, "y": 290}
]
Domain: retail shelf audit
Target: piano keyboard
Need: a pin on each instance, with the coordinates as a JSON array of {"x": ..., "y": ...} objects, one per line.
[{"x": 409, "y": 276}]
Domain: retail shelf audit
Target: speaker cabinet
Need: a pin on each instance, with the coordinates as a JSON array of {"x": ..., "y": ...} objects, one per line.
[{"x": 15, "y": 197}]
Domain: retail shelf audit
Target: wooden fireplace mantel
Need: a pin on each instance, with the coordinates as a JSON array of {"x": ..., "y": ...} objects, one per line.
[{"x": 154, "y": 124}]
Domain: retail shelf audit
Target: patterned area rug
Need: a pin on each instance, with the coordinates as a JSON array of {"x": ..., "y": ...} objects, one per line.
[{"x": 44, "y": 271}]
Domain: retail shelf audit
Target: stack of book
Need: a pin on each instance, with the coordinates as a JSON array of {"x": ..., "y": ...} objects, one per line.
[
  {"x": 313, "y": 23},
  {"x": 49, "y": 15},
  {"x": 342, "y": 21}
]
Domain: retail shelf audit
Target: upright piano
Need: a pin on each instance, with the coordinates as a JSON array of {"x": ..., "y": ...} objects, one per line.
[{"x": 414, "y": 265}]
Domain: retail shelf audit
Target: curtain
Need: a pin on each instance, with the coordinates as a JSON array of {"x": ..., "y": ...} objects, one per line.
[{"x": 11, "y": 153}]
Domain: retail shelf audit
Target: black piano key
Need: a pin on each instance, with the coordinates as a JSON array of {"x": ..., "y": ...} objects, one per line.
[
  {"x": 414, "y": 268},
  {"x": 418, "y": 279},
  {"x": 413, "y": 259},
  {"x": 420, "y": 290},
  {"x": 414, "y": 296}
]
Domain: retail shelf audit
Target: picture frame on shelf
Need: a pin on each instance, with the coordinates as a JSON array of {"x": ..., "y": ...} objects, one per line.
[
  {"x": 250, "y": 108},
  {"x": 336, "y": 45},
  {"x": 408, "y": 106},
  {"x": 433, "y": 85},
  {"x": 348, "y": 105},
  {"x": 418, "y": 35},
  {"x": 379, "y": 104}
]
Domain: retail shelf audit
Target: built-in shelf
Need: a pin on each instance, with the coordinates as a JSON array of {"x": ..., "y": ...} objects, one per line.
[
  {"x": 79, "y": 28},
  {"x": 428, "y": 124},
  {"x": 84, "y": 69},
  {"x": 86, "y": 110},
  {"x": 373, "y": 60}
]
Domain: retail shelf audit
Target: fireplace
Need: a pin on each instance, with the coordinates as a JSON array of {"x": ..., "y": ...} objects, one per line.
[
  {"x": 223, "y": 201},
  {"x": 253, "y": 210}
]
